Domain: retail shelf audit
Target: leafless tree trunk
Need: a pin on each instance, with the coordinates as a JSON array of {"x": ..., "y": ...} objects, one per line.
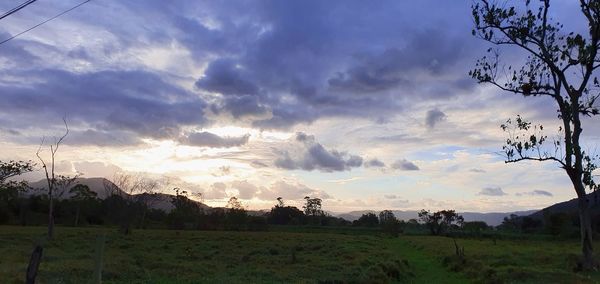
[{"x": 50, "y": 176}]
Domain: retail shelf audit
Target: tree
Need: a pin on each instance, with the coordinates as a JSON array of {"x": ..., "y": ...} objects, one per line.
[
  {"x": 10, "y": 189},
  {"x": 51, "y": 178},
  {"x": 236, "y": 214},
  {"x": 438, "y": 222},
  {"x": 185, "y": 211},
  {"x": 312, "y": 207},
  {"x": 367, "y": 220},
  {"x": 284, "y": 215},
  {"x": 80, "y": 194},
  {"x": 11, "y": 169},
  {"x": 127, "y": 187},
  {"x": 389, "y": 223},
  {"x": 312, "y": 210},
  {"x": 560, "y": 66}
]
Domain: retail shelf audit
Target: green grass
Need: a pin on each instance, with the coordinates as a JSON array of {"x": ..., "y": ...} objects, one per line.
[
  {"x": 286, "y": 255},
  {"x": 160, "y": 256},
  {"x": 508, "y": 261}
]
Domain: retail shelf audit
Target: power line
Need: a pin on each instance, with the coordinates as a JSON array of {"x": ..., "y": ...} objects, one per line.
[
  {"x": 15, "y": 9},
  {"x": 48, "y": 20}
]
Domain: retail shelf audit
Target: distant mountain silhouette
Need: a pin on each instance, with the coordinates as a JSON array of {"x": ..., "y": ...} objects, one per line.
[
  {"x": 492, "y": 219},
  {"x": 570, "y": 207},
  {"x": 160, "y": 201},
  {"x": 96, "y": 184}
]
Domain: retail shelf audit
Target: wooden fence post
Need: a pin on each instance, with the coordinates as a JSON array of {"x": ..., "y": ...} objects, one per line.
[{"x": 34, "y": 263}]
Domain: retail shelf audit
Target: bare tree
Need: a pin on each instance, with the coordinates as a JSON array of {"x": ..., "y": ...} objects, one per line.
[
  {"x": 129, "y": 187},
  {"x": 559, "y": 65},
  {"x": 51, "y": 177}
]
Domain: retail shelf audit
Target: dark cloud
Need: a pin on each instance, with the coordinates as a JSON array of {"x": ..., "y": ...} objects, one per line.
[
  {"x": 433, "y": 117},
  {"x": 224, "y": 77},
  {"x": 107, "y": 102},
  {"x": 207, "y": 139},
  {"x": 102, "y": 138},
  {"x": 274, "y": 64},
  {"x": 536, "y": 193},
  {"x": 492, "y": 191},
  {"x": 374, "y": 163},
  {"x": 300, "y": 64},
  {"x": 405, "y": 165},
  {"x": 313, "y": 156},
  {"x": 476, "y": 170}
]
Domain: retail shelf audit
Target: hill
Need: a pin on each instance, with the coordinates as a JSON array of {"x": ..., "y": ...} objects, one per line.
[
  {"x": 98, "y": 185},
  {"x": 570, "y": 207},
  {"x": 492, "y": 219}
]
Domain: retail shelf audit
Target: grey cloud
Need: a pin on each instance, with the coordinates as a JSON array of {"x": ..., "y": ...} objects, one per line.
[
  {"x": 275, "y": 64},
  {"x": 292, "y": 67},
  {"x": 216, "y": 191},
  {"x": 224, "y": 77},
  {"x": 246, "y": 190},
  {"x": 536, "y": 193},
  {"x": 492, "y": 191},
  {"x": 258, "y": 164},
  {"x": 241, "y": 107},
  {"x": 398, "y": 138},
  {"x": 132, "y": 101},
  {"x": 405, "y": 165},
  {"x": 433, "y": 117},
  {"x": 390, "y": 196},
  {"x": 207, "y": 139},
  {"x": 374, "y": 163},
  {"x": 314, "y": 156},
  {"x": 476, "y": 170},
  {"x": 102, "y": 138}
]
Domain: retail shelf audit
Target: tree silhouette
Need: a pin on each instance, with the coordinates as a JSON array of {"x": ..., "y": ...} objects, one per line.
[
  {"x": 438, "y": 222},
  {"x": 368, "y": 220},
  {"x": 51, "y": 177},
  {"x": 558, "y": 65},
  {"x": 81, "y": 193}
]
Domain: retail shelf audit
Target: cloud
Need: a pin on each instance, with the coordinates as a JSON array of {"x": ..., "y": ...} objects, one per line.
[
  {"x": 274, "y": 65},
  {"x": 405, "y": 165},
  {"x": 390, "y": 196},
  {"x": 207, "y": 139},
  {"x": 217, "y": 191},
  {"x": 126, "y": 105},
  {"x": 96, "y": 169},
  {"x": 492, "y": 191},
  {"x": 433, "y": 117},
  {"x": 102, "y": 138},
  {"x": 374, "y": 163},
  {"x": 536, "y": 193},
  {"x": 245, "y": 189},
  {"x": 313, "y": 156},
  {"x": 292, "y": 191},
  {"x": 258, "y": 164},
  {"x": 284, "y": 189},
  {"x": 476, "y": 170},
  {"x": 224, "y": 77}
]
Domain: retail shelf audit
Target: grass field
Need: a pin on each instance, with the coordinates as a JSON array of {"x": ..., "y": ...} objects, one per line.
[{"x": 161, "y": 256}]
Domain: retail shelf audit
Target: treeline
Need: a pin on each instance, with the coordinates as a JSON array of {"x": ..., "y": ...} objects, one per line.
[
  {"x": 19, "y": 206},
  {"x": 83, "y": 208}
]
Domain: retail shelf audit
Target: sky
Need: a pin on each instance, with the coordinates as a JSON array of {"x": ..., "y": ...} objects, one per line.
[{"x": 365, "y": 104}]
